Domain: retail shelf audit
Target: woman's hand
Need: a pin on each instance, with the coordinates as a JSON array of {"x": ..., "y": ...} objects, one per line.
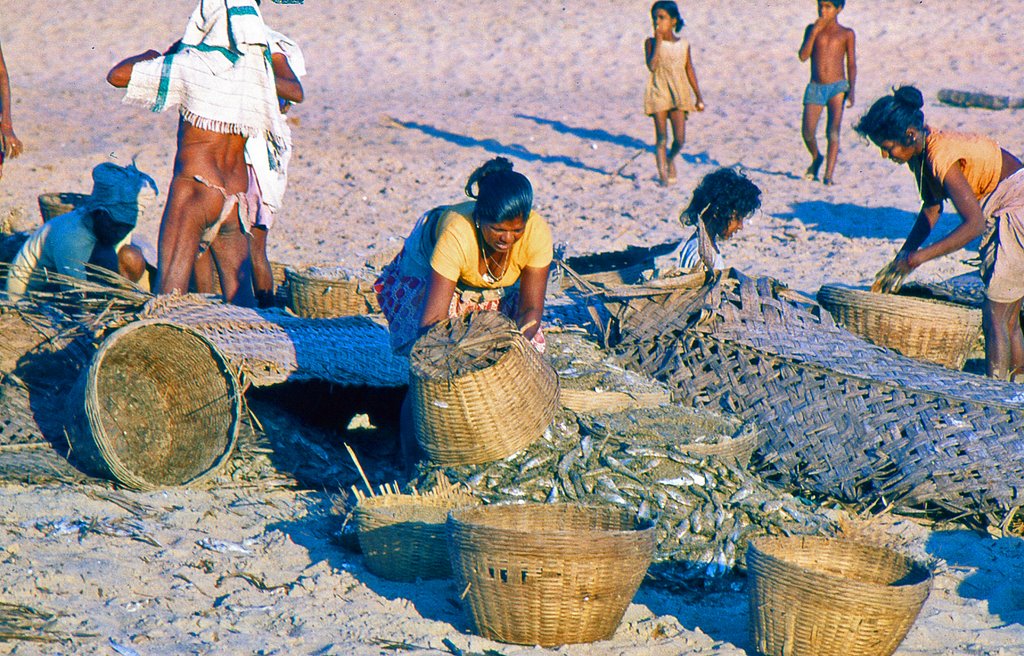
[{"x": 907, "y": 261}]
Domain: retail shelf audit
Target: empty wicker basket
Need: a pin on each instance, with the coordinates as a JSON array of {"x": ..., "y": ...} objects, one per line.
[
  {"x": 56, "y": 203},
  {"x": 403, "y": 536},
  {"x": 158, "y": 406},
  {"x": 812, "y": 596},
  {"x": 480, "y": 391},
  {"x": 926, "y": 329},
  {"x": 548, "y": 574},
  {"x": 325, "y": 292}
]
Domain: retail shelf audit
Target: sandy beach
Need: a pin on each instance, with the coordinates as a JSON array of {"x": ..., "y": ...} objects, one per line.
[{"x": 403, "y": 101}]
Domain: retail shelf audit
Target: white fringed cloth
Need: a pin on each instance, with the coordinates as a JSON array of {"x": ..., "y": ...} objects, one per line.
[{"x": 220, "y": 78}]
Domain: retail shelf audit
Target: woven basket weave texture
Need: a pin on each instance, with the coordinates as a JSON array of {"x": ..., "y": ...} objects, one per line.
[
  {"x": 159, "y": 406},
  {"x": 488, "y": 413},
  {"x": 548, "y": 574},
  {"x": 325, "y": 292},
  {"x": 839, "y": 416},
  {"x": 271, "y": 346},
  {"x": 926, "y": 329},
  {"x": 813, "y": 595},
  {"x": 54, "y": 204},
  {"x": 403, "y": 537}
]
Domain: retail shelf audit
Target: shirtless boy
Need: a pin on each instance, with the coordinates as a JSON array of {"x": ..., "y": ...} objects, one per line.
[{"x": 831, "y": 49}]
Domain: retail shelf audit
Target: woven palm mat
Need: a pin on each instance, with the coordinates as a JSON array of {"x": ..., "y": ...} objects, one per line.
[
  {"x": 706, "y": 510},
  {"x": 271, "y": 346},
  {"x": 841, "y": 417}
]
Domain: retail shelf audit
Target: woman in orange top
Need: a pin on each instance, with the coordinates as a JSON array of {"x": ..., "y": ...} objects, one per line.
[
  {"x": 986, "y": 186},
  {"x": 490, "y": 253}
]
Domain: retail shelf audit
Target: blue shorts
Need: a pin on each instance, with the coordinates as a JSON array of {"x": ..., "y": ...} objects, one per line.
[{"x": 820, "y": 94}]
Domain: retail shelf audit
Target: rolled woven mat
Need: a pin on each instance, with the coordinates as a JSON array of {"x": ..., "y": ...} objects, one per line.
[
  {"x": 158, "y": 406},
  {"x": 961, "y": 98},
  {"x": 480, "y": 391},
  {"x": 271, "y": 346}
]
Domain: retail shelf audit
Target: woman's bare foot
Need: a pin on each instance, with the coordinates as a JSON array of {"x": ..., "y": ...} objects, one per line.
[
  {"x": 671, "y": 173},
  {"x": 812, "y": 170}
]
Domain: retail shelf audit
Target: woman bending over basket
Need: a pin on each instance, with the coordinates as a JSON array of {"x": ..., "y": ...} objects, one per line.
[
  {"x": 986, "y": 186},
  {"x": 489, "y": 253}
]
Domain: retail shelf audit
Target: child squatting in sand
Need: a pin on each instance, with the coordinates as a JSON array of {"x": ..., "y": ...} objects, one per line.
[
  {"x": 829, "y": 46},
  {"x": 672, "y": 91}
]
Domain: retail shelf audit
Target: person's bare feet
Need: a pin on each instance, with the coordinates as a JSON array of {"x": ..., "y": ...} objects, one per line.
[
  {"x": 828, "y": 181},
  {"x": 812, "y": 170},
  {"x": 671, "y": 173}
]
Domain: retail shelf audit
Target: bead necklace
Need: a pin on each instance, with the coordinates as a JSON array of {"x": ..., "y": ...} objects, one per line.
[{"x": 489, "y": 276}]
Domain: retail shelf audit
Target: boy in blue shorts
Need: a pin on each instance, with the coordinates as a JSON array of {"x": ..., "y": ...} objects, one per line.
[{"x": 831, "y": 49}]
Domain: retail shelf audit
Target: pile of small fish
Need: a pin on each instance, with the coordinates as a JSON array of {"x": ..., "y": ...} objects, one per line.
[{"x": 707, "y": 508}]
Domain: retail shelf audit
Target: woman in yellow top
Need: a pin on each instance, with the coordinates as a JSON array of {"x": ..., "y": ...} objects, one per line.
[
  {"x": 489, "y": 253},
  {"x": 986, "y": 185}
]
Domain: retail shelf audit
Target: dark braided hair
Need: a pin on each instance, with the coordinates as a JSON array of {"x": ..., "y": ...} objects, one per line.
[
  {"x": 501, "y": 193},
  {"x": 891, "y": 116},
  {"x": 721, "y": 196}
]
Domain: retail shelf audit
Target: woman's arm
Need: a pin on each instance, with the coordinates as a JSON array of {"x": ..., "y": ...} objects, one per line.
[
  {"x": 533, "y": 285},
  {"x": 972, "y": 221},
  {"x": 926, "y": 220},
  {"x": 288, "y": 85},
  {"x": 439, "y": 297}
]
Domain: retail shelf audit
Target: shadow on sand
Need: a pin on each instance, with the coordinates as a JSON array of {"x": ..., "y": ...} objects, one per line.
[
  {"x": 993, "y": 579},
  {"x": 497, "y": 147},
  {"x": 623, "y": 140},
  {"x": 853, "y": 220}
]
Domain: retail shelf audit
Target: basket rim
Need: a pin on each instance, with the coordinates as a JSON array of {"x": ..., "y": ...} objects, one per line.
[
  {"x": 922, "y": 569},
  {"x": 462, "y": 517},
  {"x": 114, "y": 464},
  {"x": 894, "y": 303}
]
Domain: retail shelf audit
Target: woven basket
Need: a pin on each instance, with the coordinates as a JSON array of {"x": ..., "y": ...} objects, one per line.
[
  {"x": 812, "y": 596},
  {"x": 325, "y": 292},
  {"x": 56, "y": 203},
  {"x": 936, "y": 331},
  {"x": 403, "y": 536},
  {"x": 158, "y": 406},
  {"x": 548, "y": 574},
  {"x": 488, "y": 409},
  {"x": 698, "y": 433}
]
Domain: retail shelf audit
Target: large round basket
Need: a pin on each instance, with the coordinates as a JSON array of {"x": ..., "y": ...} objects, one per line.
[
  {"x": 158, "y": 406},
  {"x": 548, "y": 574},
  {"x": 403, "y": 537},
  {"x": 812, "y": 596},
  {"x": 56, "y": 203},
  {"x": 925, "y": 329},
  {"x": 325, "y": 292},
  {"x": 480, "y": 391}
]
